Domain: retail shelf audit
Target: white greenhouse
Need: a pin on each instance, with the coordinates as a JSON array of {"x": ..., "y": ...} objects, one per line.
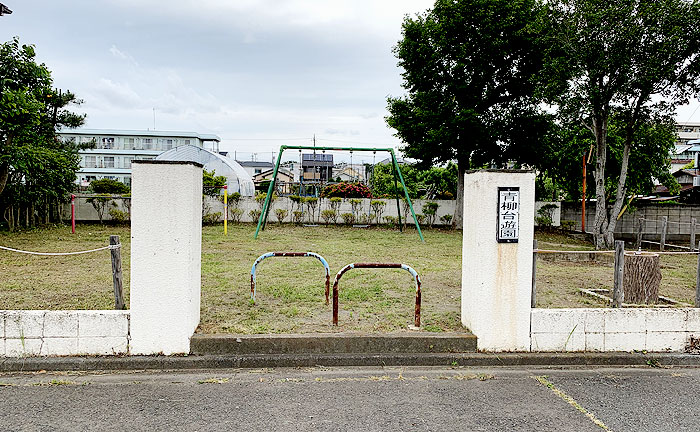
[{"x": 237, "y": 179}]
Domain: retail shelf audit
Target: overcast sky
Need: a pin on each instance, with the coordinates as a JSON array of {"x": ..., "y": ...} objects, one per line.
[{"x": 255, "y": 72}]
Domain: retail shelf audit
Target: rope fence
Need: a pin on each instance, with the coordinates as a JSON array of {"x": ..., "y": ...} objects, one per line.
[
  {"x": 114, "y": 247},
  {"x": 111, "y": 247},
  {"x": 617, "y": 297}
]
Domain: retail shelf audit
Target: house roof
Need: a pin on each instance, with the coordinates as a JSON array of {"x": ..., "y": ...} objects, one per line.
[
  {"x": 258, "y": 164},
  {"x": 147, "y": 133},
  {"x": 280, "y": 171}
]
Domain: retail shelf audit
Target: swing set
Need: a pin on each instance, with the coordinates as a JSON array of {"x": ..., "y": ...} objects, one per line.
[{"x": 398, "y": 177}]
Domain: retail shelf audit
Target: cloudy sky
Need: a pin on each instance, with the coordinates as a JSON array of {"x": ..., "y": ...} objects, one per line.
[{"x": 258, "y": 73}]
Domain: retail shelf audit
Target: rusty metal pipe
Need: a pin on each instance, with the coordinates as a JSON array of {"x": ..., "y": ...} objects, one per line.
[
  {"x": 289, "y": 254},
  {"x": 416, "y": 316}
]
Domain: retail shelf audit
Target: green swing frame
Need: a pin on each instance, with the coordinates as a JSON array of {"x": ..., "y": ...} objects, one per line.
[{"x": 398, "y": 177}]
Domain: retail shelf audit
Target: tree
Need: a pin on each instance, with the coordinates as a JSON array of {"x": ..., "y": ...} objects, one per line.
[
  {"x": 36, "y": 168},
  {"x": 470, "y": 69},
  {"x": 560, "y": 158},
  {"x": 109, "y": 186},
  {"x": 212, "y": 183},
  {"x": 632, "y": 59}
]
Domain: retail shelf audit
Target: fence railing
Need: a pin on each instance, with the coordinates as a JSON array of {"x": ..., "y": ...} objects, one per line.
[
  {"x": 618, "y": 266},
  {"x": 115, "y": 249}
]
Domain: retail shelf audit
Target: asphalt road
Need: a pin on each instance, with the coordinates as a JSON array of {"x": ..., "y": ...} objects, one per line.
[{"x": 364, "y": 399}]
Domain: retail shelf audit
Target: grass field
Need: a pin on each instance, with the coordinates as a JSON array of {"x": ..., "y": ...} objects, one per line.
[{"x": 290, "y": 294}]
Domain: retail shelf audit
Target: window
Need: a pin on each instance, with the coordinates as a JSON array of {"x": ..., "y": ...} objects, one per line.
[
  {"x": 108, "y": 143},
  {"x": 128, "y": 143},
  {"x": 147, "y": 143},
  {"x": 109, "y": 161},
  {"x": 90, "y": 162},
  {"x": 127, "y": 181},
  {"x": 86, "y": 139},
  {"x": 127, "y": 162},
  {"x": 167, "y": 144},
  {"x": 258, "y": 170},
  {"x": 187, "y": 142}
]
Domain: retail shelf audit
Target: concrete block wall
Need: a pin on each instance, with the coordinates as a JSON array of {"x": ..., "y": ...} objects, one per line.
[
  {"x": 597, "y": 329},
  {"x": 58, "y": 333},
  {"x": 679, "y": 217}
]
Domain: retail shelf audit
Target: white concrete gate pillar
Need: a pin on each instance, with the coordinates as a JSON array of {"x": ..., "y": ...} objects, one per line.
[
  {"x": 497, "y": 276},
  {"x": 166, "y": 250}
]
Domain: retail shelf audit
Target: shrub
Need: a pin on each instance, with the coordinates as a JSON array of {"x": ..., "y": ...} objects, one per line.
[
  {"x": 297, "y": 216},
  {"x": 377, "y": 207},
  {"x": 234, "y": 199},
  {"x": 346, "y": 190},
  {"x": 211, "y": 218},
  {"x": 296, "y": 201},
  {"x": 421, "y": 219},
  {"x": 100, "y": 204},
  {"x": 119, "y": 216},
  {"x": 255, "y": 214},
  {"x": 329, "y": 215},
  {"x": 108, "y": 186},
  {"x": 446, "y": 219},
  {"x": 281, "y": 215},
  {"x": 546, "y": 214},
  {"x": 430, "y": 211},
  {"x": 334, "y": 203},
  {"x": 568, "y": 225},
  {"x": 236, "y": 214},
  {"x": 348, "y": 218},
  {"x": 311, "y": 203},
  {"x": 391, "y": 220}
]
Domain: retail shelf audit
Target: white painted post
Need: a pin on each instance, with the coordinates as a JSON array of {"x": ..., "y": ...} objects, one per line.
[
  {"x": 497, "y": 277},
  {"x": 166, "y": 249}
]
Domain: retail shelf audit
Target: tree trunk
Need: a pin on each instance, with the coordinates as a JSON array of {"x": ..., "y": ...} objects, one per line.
[
  {"x": 642, "y": 277},
  {"x": 459, "y": 199},
  {"x": 621, "y": 193},
  {"x": 600, "y": 224},
  {"x": 4, "y": 174}
]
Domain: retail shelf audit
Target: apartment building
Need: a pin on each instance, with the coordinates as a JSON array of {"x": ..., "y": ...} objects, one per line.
[{"x": 116, "y": 149}]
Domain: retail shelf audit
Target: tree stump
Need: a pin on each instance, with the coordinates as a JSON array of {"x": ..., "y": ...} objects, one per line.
[{"x": 642, "y": 278}]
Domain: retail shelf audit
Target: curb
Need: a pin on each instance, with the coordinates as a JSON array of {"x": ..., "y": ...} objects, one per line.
[{"x": 136, "y": 363}]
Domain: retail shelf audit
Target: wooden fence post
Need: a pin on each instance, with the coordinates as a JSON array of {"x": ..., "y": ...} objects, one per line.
[
  {"x": 638, "y": 241},
  {"x": 697, "y": 282},
  {"x": 117, "y": 272},
  {"x": 693, "y": 222},
  {"x": 664, "y": 228},
  {"x": 534, "y": 273},
  {"x": 618, "y": 291}
]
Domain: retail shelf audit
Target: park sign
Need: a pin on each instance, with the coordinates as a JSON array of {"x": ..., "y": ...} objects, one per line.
[{"x": 508, "y": 215}]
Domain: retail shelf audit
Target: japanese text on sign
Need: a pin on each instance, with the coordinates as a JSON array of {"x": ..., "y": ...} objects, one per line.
[{"x": 508, "y": 214}]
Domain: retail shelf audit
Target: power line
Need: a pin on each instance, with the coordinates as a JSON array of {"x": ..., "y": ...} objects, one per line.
[
  {"x": 696, "y": 109},
  {"x": 356, "y": 142},
  {"x": 265, "y": 139}
]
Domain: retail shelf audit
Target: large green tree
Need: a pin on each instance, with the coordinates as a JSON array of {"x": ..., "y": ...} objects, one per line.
[
  {"x": 36, "y": 168},
  {"x": 559, "y": 157},
  {"x": 635, "y": 59},
  {"x": 469, "y": 70}
]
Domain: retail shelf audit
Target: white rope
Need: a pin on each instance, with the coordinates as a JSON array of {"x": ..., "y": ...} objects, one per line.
[
  {"x": 572, "y": 251},
  {"x": 117, "y": 246},
  {"x": 627, "y": 252}
]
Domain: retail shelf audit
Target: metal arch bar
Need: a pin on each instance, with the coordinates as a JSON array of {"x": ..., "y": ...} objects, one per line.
[
  {"x": 416, "y": 316},
  {"x": 289, "y": 254}
]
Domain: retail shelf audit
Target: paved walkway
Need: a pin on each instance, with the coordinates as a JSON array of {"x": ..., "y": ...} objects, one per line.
[{"x": 364, "y": 399}]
